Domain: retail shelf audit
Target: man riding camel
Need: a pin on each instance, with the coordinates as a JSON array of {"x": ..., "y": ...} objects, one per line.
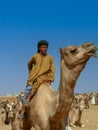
[{"x": 41, "y": 70}]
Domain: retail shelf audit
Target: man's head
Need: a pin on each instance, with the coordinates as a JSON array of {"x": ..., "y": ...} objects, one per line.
[{"x": 42, "y": 46}]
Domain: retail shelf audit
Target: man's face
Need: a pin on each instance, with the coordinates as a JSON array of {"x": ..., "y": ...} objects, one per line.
[{"x": 43, "y": 49}]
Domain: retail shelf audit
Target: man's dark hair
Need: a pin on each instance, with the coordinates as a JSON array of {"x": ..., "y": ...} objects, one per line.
[{"x": 42, "y": 42}]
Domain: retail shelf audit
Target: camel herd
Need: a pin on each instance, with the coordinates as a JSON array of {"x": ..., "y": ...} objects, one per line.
[{"x": 54, "y": 110}]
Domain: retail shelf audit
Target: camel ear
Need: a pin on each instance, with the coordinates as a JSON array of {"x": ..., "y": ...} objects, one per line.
[{"x": 61, "y": 50}]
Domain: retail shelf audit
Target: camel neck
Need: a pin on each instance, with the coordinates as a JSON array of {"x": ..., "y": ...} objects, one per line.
[{"x": 68, "y": 80}]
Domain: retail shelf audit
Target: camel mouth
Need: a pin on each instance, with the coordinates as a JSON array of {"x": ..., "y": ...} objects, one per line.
[
  {"x": 93, "y": 52},
  {"x": 92, "y": 48}
]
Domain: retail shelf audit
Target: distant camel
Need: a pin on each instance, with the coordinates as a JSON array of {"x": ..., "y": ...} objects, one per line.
[{"x": 48, "y": 109}]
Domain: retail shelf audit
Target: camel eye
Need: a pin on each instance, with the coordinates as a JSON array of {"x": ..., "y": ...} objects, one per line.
[{"x": 73, "y": 49}]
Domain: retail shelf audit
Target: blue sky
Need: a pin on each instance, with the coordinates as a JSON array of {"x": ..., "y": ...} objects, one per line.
[{"x": 24, "y": 22}]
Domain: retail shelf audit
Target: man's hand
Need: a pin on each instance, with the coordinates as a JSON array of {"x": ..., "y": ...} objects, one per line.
[{"x": 49, "y": 82}]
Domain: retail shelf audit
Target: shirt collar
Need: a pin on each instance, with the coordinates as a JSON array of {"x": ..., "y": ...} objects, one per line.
[{"x": 42, "y": 54}]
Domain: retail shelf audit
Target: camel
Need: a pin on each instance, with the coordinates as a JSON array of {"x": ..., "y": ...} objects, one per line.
[{"x": 48, "y": 109}]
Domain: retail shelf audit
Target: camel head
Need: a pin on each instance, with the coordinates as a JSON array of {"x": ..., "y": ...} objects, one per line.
[{"x": 76, "y": 55}]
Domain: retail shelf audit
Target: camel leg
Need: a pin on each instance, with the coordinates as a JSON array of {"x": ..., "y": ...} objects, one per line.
[{"x": 63, "y": 124}]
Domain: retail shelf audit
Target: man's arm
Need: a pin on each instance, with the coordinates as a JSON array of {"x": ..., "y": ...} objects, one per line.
[
  {"x": 30, "y": 64},
  {"x": 52, "y": 71}
]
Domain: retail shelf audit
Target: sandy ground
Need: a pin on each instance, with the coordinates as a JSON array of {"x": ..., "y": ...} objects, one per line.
[{"x": 89, "y": 119}]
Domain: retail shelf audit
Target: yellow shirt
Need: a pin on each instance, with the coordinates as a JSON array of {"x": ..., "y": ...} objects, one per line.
[{"x": 41, "y": 65}]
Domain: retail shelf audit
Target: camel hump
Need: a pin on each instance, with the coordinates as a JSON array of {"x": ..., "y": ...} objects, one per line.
[
  {"x": 45, "y": 91},
  {"x": 44, "y": 96},
  {"x": 42, "y": 102}
]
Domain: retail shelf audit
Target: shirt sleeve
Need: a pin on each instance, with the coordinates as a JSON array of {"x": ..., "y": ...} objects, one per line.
[
  {"x": 30, "y": 63},
  {"x": 52, "y": 70}
]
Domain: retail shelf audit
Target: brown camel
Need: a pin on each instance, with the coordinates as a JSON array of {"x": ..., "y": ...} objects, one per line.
[{"x": 48, "y": 109}]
